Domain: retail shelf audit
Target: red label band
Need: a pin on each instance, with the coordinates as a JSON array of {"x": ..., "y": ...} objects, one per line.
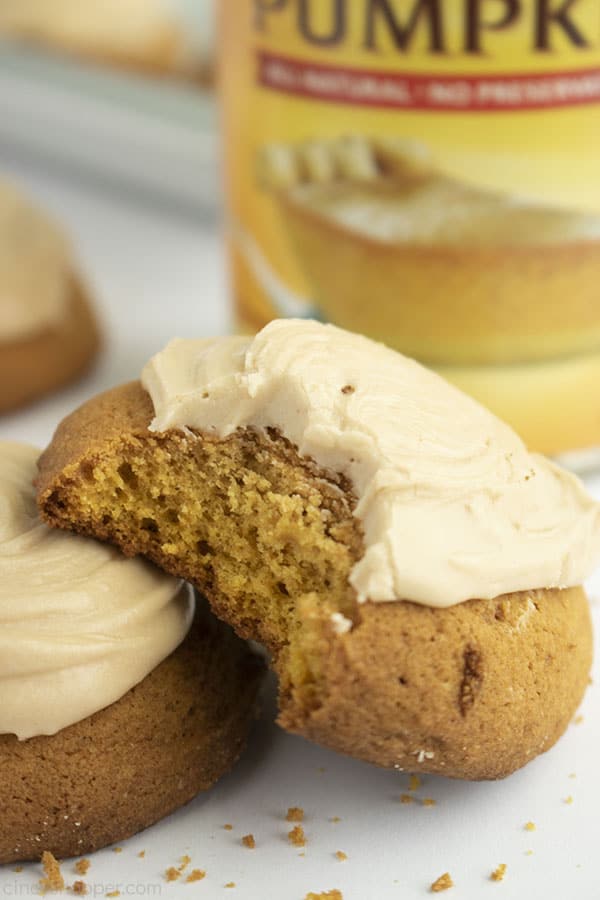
[{"x": 392, "y": 90}]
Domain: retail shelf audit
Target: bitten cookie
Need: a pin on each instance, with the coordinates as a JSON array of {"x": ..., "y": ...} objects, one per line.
[
  {"x": 48, "y": 332},
  {"x": 413, "y": 570},
  {"x": 118, "y": 704}
]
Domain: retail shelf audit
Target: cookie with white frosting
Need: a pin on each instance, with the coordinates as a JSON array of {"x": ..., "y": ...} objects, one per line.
[
  {"x": 413, "y": 569},
  {"x": 48, "y": 332},
  {"x": 117, "y": 703}
]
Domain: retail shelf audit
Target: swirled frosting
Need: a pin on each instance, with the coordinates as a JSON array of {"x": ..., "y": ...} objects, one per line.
[
  {"x": 80, "y": 624},
  {"x": 451, "y": 503}
]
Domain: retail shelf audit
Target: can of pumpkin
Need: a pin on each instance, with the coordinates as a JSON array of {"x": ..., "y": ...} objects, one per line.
[{"x": 426, "y": 172}]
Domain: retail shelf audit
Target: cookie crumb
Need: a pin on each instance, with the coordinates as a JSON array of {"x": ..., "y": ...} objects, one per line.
[
  {"x": 80, "y": 888},
  {"x": 52, "y": 880},
  {"x": 341, "y": 855},
  {"x": 228, "y": 827},
  {"x": 82, "y": 866},
  {"x": 117, "y": 849},
  {"x": 443, "y": 883},
  {"x": 184, "y": 862},
  {"x": 499, "y": 873},
  {"x": 578, "y": 719},
  {"x": 572, "y": 775},
  {"x": 335, "y": 819},
  {"x": 295, "y": 814},
  {"x": 248, "y": 841},
  {"x": 172, "y": 874},
  {"x": 569, "y": 800},
  {"x": 18, "y": 869},
  {"x": 230, "y": 884},
  {"x": 325, "y": 895},
  {"x": 428, "y": 801},
  {"x": 406, "y": 798},
  {"x": 529, "y": 853},
  {"x": 114, "y": 894},
  {"x": 141, "y": 854},
  {"x": 195, "y": 875},
  {"x": 348, "y": 389},
  {"x": 529, "y": 826},
  {"x": 297, "y": 836},
  {"x": 414, "y": 783}
]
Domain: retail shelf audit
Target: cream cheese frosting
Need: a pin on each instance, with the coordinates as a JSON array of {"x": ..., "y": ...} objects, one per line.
[
  {"x": 35, "y": 271},
  {"x": 451, "y": 503},
  {"x": 80, "y": 625}
]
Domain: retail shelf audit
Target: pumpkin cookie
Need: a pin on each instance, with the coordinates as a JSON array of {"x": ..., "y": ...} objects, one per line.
[
  {"x": 48, "y": 332},
  {"x": 413, "y": 570},
  {"x": 118, "y": 704}
]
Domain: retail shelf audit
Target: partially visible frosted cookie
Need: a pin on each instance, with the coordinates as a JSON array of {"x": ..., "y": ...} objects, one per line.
[
  {"x": 48, "y": 331},
  {"x": 118, "y": 702}
]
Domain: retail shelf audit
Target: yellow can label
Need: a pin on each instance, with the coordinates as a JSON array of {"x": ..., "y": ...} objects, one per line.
[{"x": 426, "y": 172}]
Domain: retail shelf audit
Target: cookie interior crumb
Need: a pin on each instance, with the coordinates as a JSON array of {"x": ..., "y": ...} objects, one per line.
[
  {"x": 443, "y": 883},
  {"x": 341, "y": 855},
  {"x": 142, "y": 854},
  {"x": 82, "y": 866},
  {"x": 52, "y": 880},
  {"x": 172, "y": 874},
  {"x": 248, "y": 841},
  {"x": 79, "y": 887},
  {"x": 295, "y": 814},
  {"x": 428, "y": 801},
  {"x": 406, "y": 798},
  {"x": 195, "y": 875},
  {"x": 499, "y": 873},
  {"x": 228, "y": 827},
  {"x": 230, "y": 884},
  {"x": 114, "y": 894},
  {"x": 117, "y": 849},
  {"x": 297, "y": 836},
  {"x": 529, "y": 826}
]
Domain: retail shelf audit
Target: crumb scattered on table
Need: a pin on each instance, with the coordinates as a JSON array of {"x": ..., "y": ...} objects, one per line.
[
  {"x": 228, "y": 827},
  {"x": 578, "y": 719},
  {"x": 184, "y": 862},
  {"x": 18, "y": 869},
  {"x": 529, "y": 853},
  {"x": 142, "y": 854},
  {"x": 117, "y": 849},
  {"x": 82, "y": 866},
  {"x": 335, "y": 819},
  {"x": 325, "y": 895},
  {"x": 195, "y": 875},
  {"x": 443, "y": 883},
  {"x": 297, "y": 836},
  {"x": 230, "y": 884},
  {"x": 428, "y": 801},
  {"x": 529, "y": 826},
  {"x": 172, "y": 874},
  {"x": 341, "y": 855},
  {"x": 52, "y": 880},
  {"x": 295, "y": 814},
  {"x": 499, "y": 873},
  {"x": 114, "y": 894},
  {"x": 248, "y": 841},
  {"x": 80, "y": 888},
  {"x": 406, "y": 798},
  {"x": 414, "y": 783},
  {"x": 569, "y": 799}
]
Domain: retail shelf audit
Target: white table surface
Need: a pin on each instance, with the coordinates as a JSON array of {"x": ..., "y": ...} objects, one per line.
[{"x": 156, "y": 276}]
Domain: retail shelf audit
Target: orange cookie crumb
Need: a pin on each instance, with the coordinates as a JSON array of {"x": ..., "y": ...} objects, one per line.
[
  {"x": 297, "y": 836},
  {"x": 578, "y": 719},
  {"x": 230, "y": 884},
  {"x": 184, "y": 862},
  {"x": 142, "y": 854},
  {"x": 172, "y": 874},
  {"x": 114, "y": 894},
  {"x": 529, "y": 826},
  {"x": 248, "y": 841},
  {"x": 428, "y": 801},
  {"x": 499, "y": 873},
  {"x": 117, "y": 849},
  {"x": 414, "y": 783},
  {"x": 228, "y": 827},
  {"x": 341, "y": 855},
  {"x": 295, "y": 814},
  {"x": 18, "y": 869},
  {"x": 52, "y": 880},
  {"x": 406, "y": 798},
  {"x": 443, "y": 883},
  {"x": 195, "y": 875},
  {"x": 80, "y": 887},
  {"x": 325, "y": 895},
  {"x": 82, "y": 866}
]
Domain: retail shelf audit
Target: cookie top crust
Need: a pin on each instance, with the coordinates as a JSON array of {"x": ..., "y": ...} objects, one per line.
[
  {"x": 35, "y": 268},
  {"x": 80, "y": 624},
  {"x": 452, "y": 504}
]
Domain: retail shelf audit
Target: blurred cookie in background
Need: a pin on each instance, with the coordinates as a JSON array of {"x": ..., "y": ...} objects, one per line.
[
  {"x": 48, "y": 331},
  {"x": 164, "y": 37}
]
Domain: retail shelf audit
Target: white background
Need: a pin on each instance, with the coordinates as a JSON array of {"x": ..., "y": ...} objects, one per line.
[{"x": 156, "y": 275}]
